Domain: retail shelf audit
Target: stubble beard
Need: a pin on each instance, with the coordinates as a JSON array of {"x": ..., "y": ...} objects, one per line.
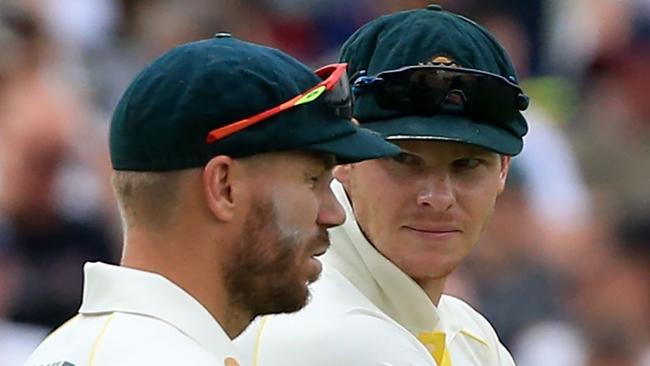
[{"x": 264, "y": 276}]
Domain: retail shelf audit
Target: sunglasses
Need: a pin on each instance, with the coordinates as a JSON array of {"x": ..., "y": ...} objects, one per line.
[
  {"x": 425, "y": 89},
  {"x": 334, "y": 90}
]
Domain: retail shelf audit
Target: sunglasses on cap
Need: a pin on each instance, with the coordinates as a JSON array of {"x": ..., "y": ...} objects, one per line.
[
  {"x": 334, "y": 90},
  {"x": 425, "y": 89}
]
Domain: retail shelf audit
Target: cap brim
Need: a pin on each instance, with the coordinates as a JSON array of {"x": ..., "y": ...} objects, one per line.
[
  {"x": 448, "y": 127},
  {"x": 360, "y": 145}
]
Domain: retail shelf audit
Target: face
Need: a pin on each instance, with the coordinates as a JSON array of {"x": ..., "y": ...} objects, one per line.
[
  {"x": 426, "y": 208},
  {"x": 284, "y": 231}
]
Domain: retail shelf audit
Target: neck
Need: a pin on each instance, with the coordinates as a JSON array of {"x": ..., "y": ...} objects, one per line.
[
  {"x": 433, "y": 287},
  {"x": 199, "y": 272}
]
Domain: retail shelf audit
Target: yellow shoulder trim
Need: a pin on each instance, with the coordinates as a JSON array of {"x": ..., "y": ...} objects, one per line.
[
  {"x": 475, "y": 337},
  {"x": 258, "y": 338},
  {"x": 93, "y": 351}
]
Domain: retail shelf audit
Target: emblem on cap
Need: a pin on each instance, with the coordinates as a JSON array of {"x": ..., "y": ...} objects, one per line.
[
  {"x": 454, "y": 96},
  {"x": 441, "y": 60}
]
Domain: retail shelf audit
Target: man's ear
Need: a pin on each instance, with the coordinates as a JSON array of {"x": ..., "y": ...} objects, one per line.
[
  {"x": 217, "y": 184},
  {"x": 503, "y": 173}
]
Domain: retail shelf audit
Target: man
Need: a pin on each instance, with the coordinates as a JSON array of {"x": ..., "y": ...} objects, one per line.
[
  {"x": 443, "y": 89},
  {"x": 221, "y": 151}
]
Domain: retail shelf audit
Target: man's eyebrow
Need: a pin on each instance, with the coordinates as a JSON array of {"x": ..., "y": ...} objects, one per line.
[
  {"x": 481, "y": 152},
  {"x": 328, "y": 161},
  {"x": 325, "y": 161},
  {"x": 403, "y": 150}
]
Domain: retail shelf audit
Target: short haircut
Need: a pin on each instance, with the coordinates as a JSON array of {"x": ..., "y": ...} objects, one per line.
[{"x": 146, "y": 198}]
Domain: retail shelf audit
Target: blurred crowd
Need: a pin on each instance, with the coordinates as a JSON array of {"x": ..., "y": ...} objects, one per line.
[{"x": 563, "y": 272}]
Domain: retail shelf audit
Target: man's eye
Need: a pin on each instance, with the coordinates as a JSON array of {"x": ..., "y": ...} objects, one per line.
[
  {"x": 405, "y": 158},
  {"x": 319, "y": 179},
  {"x": 312, "y": 180},
  {"x": 467, "y": 163}
]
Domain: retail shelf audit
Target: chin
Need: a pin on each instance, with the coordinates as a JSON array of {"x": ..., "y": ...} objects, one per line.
[
  {"x": 295, "y": 305},
  {"x": 441, "y": 271},
  {"x": 434, "y": 268},
  {"x": 293, "y": 298},
  {"x": 276, "y": 295}
]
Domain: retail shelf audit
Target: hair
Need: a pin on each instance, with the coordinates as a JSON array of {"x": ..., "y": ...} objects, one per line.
[{"x": 146, "y": 198}]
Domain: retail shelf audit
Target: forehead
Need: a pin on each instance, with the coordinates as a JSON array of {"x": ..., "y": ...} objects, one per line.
[
  {"x": 434, "y": 147},
  {"x": 299, "y": 159},
  {"x": 314, "y": 158}
]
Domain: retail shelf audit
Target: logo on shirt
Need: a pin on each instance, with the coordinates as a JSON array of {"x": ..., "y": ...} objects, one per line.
[{"x": 229, "y": 361}]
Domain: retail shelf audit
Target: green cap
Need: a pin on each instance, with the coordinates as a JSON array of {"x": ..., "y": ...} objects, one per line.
[
  {"x": 162, "y": 120},
  {"x": 431, "y": 36}
]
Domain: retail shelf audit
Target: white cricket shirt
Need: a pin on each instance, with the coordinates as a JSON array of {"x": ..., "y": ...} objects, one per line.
[
  {"x": 131, "y": 317},
  {"x": 366, "y": 311}
]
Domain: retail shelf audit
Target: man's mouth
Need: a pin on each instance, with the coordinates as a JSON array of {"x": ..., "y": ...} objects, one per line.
[{"x": 434, "y": 231}]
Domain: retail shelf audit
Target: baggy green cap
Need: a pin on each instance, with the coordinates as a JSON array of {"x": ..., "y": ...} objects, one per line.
[
  {"x": 438, "y": 37},
  {"x": 162, "y": 120}
]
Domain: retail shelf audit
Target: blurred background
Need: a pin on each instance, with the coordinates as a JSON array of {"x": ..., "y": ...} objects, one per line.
[{"x": 563, "y": 272}]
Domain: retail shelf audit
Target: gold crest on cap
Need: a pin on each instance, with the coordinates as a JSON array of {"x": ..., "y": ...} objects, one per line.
[{"x": 441, "y": 60}]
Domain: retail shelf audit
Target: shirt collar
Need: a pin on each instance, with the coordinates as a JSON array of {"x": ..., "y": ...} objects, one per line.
[
  {"x": 109, "y": 288},
  {"x": 381, "y": 281}
]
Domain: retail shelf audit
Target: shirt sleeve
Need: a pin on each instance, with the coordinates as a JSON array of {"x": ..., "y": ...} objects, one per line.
[{"x": 505, "y": 358}]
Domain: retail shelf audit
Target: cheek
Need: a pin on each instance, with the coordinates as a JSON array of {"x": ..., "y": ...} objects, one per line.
[
  {"x": 478, "y": 204},
  {"x": 377, "y": 199},
  {"x": 296, "y": 208}
]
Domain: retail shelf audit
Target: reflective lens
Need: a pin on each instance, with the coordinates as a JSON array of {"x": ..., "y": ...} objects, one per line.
[
  {"x": 426, "y": 89},
  {"x": 338, "y": 96}
]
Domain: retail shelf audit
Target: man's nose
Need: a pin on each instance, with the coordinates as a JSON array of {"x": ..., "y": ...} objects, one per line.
[
  {"x": 437, "y": 193},
  {"x": 331, "y": 212}
]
